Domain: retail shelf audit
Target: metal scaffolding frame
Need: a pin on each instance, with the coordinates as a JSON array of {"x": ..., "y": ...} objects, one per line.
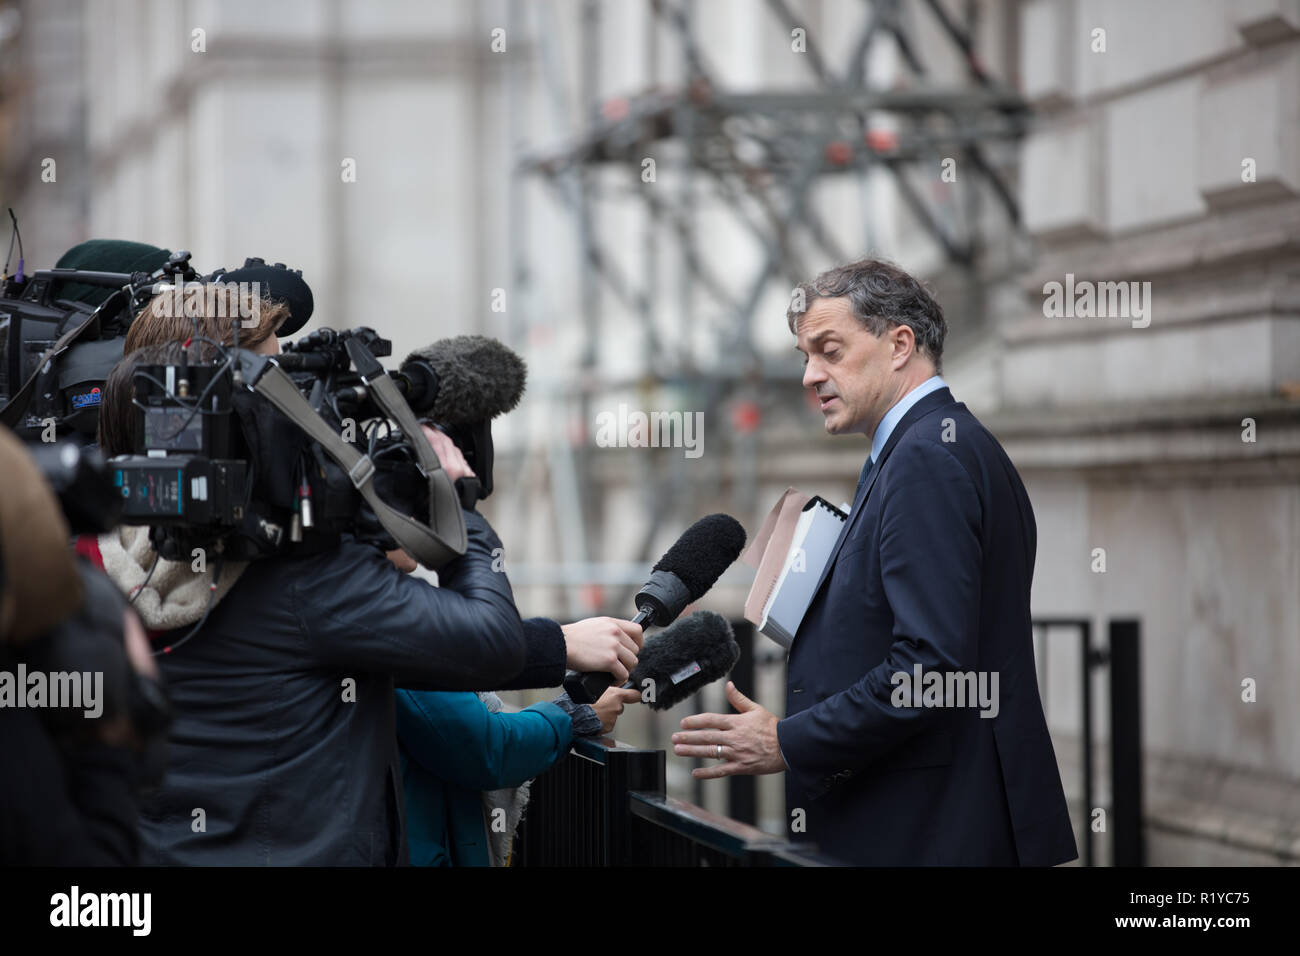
[{"x": 760, "y": 154}]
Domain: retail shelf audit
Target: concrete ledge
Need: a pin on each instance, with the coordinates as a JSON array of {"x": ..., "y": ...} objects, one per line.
[
  {"x": 1277, "y": 840},
  {"x": 1266, "y": 21}
]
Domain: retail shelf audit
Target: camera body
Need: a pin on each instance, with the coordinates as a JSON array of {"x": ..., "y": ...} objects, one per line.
[
  {"x": 219, "y": 467},
  {"x": 183, "y": 479},
  {"x": 82, "y": 313}
]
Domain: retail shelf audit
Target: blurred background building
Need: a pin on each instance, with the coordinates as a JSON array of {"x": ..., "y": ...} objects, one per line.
[{"x": 627, "y": 193}]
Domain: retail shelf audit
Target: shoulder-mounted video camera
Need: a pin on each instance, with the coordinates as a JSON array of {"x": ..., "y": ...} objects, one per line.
[{"x": 260, "y": 454}]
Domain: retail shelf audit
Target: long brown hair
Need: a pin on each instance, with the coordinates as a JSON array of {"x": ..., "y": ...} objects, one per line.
[{"x": 223, "y": 305}]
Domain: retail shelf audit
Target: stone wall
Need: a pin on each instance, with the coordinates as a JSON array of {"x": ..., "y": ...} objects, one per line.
[{"x": 1172, "y": 441}]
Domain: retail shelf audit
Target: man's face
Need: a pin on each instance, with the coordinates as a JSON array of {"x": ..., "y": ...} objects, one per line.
[{"x": 850, "y": 369}]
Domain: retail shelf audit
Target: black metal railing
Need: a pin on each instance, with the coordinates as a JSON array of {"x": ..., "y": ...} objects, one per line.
[
  {"x": 1121, "y": 658},
  {"x": 605, "y": 804}
]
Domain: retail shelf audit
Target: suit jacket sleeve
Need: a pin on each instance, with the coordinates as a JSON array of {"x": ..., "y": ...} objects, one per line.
[
  {"x": 930, "y": 560},
  {"x": 357, "y": 610},
  {"x": 455, "y": 737}
]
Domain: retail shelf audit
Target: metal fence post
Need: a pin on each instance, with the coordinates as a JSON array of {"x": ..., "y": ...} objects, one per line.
[{"x": 1126, "y": 743}]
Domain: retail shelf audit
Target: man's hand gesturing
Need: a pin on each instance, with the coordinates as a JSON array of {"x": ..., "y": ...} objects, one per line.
[{"x": 741, "y": 743}]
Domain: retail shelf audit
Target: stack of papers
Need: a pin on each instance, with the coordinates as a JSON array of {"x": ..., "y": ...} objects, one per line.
[{"x": 790, "y": 552}]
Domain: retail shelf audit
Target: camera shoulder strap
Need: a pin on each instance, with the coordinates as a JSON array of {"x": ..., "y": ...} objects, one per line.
[
  {"x": 444, "y": 499},
  {"x": 432, "y": 545}
]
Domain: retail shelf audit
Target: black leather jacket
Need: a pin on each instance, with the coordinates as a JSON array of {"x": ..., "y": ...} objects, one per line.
[{"x": 283, "y": 750}]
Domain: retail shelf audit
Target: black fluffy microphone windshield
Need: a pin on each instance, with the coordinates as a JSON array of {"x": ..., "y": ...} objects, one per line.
[
  {"x": 679, "y": 660},
  {"x": 464, "y": 380},
  {"x": 690, "y": 567}
]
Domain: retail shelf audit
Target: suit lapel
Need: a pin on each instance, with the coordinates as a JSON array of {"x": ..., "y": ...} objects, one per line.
[{"x": 936, "y": 399}]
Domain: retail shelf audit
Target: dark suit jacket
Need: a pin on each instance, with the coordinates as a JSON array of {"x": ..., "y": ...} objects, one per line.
[{"x": 933, "y": 568}]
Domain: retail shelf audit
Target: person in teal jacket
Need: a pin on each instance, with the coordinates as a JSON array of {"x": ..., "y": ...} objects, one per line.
[{"x": 466, "y": 765}]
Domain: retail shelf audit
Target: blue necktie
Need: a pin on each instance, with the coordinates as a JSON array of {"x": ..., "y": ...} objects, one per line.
[{"x": 862, "y": 478}]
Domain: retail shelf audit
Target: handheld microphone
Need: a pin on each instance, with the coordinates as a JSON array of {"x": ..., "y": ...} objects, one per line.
[
  {"x": 678, "y": 661},
  {"x": 683, "y": 575},
  {"x": 689, "y": 568}
]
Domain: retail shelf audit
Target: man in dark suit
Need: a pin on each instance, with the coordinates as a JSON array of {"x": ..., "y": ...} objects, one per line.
[{"x": 914, "y": 732}]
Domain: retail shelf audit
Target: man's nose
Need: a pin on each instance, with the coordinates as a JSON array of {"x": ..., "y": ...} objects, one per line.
[{"x": 813, "y": 374}]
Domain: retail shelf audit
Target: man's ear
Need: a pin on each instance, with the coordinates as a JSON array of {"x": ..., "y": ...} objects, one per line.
[{"x": 902, "y": 345}]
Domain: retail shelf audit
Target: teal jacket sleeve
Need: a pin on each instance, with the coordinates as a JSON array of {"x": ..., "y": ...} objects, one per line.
[{"x": 455, "y": 737}]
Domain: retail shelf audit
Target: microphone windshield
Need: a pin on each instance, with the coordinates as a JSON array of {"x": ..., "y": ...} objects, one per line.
[
  {"x": 703, "y": 552},
  {"x": 693, "y": 651},
  {"x": 478, "y": 378}
]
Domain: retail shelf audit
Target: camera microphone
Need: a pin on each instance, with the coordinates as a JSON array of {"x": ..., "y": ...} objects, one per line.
[{"x": 463, "y": 380}]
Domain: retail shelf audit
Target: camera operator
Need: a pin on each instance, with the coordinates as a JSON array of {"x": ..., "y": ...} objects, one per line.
[
  {"x": 71, "y": 769},
  {"x": 282, "y": 750},
  {"x": 592, "y": 644},
  {"x": 283, "y": 672}
]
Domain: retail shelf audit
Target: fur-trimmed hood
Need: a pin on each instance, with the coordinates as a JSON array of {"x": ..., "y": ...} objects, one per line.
[
  {"x": 176, "y": 595},
  {"x": 512, "y": 801}
]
